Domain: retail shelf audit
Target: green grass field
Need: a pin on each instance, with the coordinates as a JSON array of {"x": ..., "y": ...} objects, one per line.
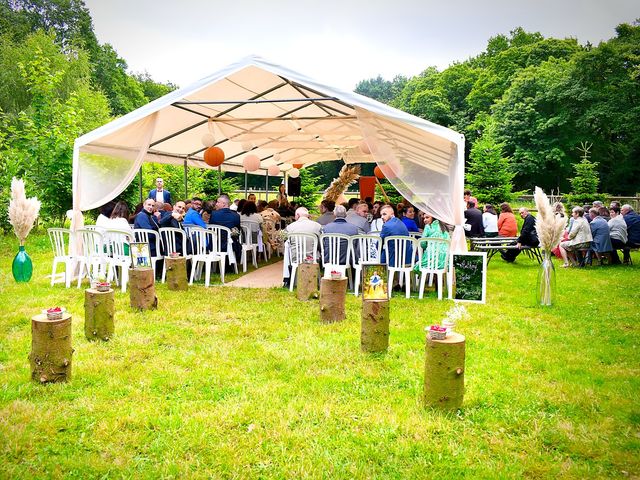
[{"x": 234, "y": 383}]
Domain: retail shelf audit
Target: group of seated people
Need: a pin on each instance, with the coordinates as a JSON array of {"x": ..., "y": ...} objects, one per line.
[{"x": 592, "y": 230}]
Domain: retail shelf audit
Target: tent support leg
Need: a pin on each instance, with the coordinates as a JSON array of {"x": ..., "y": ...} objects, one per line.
[
  {"x": 245, "y": 184},
  {"x": 186, "y": 190},
  {"x": 266, "y": 187},
  {"x": 219, "y": 180},
  {"x": 140, "y": 182}
]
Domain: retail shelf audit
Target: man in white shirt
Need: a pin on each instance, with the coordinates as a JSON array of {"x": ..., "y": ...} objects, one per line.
[
  {"x": 302, "y": 224},
  {"x": 159, "y": 194}
]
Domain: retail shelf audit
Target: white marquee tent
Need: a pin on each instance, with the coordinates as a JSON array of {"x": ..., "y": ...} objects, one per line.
[{"x": 259, "y": 108}]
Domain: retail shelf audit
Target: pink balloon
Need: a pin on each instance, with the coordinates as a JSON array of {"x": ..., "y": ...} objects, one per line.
[
  {"x": 251, "y": 163},
  {"x": 273, "y": 170}
]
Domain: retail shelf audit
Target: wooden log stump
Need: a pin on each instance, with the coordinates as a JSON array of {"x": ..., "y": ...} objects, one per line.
[
  {"x": 307, "y": 281},
  {"x": 333, "y": 294},
  {"x": 374, "y": 328},
  {"x": 99, "y": 309},
  {"x": 176, "y": 273},
  {"x": 51, "y": 349},
  {"x": 142, "y": 289},
  {"x": 444, "y": 372}
]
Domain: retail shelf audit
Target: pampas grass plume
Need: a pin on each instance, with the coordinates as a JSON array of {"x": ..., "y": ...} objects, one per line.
[
  {"x": 548, "y": 225},
  {"x": 23, "y": 211}
]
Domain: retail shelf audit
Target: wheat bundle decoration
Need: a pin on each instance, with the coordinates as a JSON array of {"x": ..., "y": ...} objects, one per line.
[
  {"x": 550, "y": 227},
  {"x": 348, "y": 176},
  {"x": 23, "y": 212}
]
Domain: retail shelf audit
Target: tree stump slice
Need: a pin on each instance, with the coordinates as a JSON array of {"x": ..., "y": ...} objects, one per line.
[
  {"x": 333, "y": 295},
  {"x": 307, "y": 281},
  {"x": 444, "y": 372},
  {"x": 374, "y": 329},
  {"x": 99, "y": 309},
  {"x": 51, "y": 349},
  {"x": 142, "y": 289},
  {"x": 176, "y": 273}
]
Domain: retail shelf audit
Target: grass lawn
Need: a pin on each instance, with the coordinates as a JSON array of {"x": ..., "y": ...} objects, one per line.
[{"x": 238, "y": 383}]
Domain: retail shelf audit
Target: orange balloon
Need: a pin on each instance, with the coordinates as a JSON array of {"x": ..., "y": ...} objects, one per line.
[
  {"x": 378, "y": 173},
  {"x": 214, "y": 156}
]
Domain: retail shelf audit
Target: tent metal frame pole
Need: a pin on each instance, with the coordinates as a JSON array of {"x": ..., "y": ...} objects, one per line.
[
  {"x": 266, "y": 187},
  {"x": 246, "y": 177},
  {"x": 219, "y": 180},
  {"x": 245, "y": 102},
  {"x": 186, "y": 189},
  {"x": 140, "y": 182}
]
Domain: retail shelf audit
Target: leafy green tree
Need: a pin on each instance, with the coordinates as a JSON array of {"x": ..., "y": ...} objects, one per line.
[
  {"x": 380, "y": 89},
  {"x": 585, "y": 182},
  {"x": 309, "y": 188},
  {"x": 489, "y": 174}
]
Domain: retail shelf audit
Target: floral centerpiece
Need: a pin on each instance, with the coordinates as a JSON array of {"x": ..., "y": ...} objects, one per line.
[
  {"x": 453, "y": 316},
  {"x": 336, "y": 274},
  {"x": 437, "y": 332},
  {"x": 54, "y": 313},
  {"x": 550, "y": 227},
  {"x": 23, "y": 212}
]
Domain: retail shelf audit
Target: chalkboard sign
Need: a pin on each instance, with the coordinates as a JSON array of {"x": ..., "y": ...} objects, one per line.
[{"x": 469, "y": 276}]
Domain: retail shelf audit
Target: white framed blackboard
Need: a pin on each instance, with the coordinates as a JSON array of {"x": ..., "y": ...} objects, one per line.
[{"x": 468, "y": 277}]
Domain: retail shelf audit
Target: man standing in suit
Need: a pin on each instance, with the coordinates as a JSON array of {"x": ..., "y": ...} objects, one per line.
[
  {"x": 473, "y": 217},
  {"x": 159, "y": 194}
]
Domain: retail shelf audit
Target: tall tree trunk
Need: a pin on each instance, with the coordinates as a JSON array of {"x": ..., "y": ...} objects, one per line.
[{"x": 51, "y": 349}]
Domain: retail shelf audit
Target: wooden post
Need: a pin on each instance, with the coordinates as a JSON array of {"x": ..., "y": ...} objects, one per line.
[
  {"x": 374, "y": 330},
  {"x": 142, "y": 289},
  {"x": 98, "y": 314},
  {"x": 333, "y": 294},
  {"x": 51, "y": 349},
  {"x": 176, "y": 273},
  {"x": 444, "y": 372},
  {"x": 307, "y": 281}
]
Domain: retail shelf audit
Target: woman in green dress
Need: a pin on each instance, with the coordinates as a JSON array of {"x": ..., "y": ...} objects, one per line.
[{"x": 433, "y": 228}]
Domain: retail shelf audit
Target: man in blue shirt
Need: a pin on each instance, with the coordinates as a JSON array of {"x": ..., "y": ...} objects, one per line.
[
  {"x": 193, "y": 216},
  {"x": 392, "y": 226}
]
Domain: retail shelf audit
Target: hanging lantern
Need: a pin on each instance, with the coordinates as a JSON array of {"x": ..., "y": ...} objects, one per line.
[
  {"x": 246, "y": 146},
  {"x": 208, "y": 139},
  {"x": 297, "y": 165},
  {"x": 251, "y": 163},
  {"x": 378, "y": 173},
  {"x": 294, "y": 173},
  {"x": 273, "y": 170},
  {"x": 214, "y": 156}
]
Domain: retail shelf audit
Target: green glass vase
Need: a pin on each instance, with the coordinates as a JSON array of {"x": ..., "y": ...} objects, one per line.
[{"x": 22, "y": 267}]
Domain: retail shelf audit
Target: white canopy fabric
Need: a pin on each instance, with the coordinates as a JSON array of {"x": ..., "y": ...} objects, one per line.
[{"x": 284, "y": 118}]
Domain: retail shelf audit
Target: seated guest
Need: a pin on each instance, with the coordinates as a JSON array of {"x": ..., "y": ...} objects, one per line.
[
  {"x": 339, "y": 225},
  {"x": 579, "y": 237},
  {"x": 193, "y": 215},
  {"x": 358, "y": 217},
  {"x": 148, "y": 219},
  {"x": 376, "y": 220},
  {"x": 468, "y": 198},
  {"x": 119, "y": 219},
  {"x": 252, "y": 219},
  {"x": 617, "y": 233},
  {"x": 601, "y": 241},
  {"x": 632, "y": 219},
  {"x": 507, "y": 225},
  {"x": 474, "y": 227},
  {"x": 326, "y": 212},
  {"x": 602, "y": 210},
  {"x": 251, "y": 198},
  {"x": 433, "y": 229},
  {"x": 176, "y": 220},
  {"x": 105, "y": 215},
  {"x": 272, "y": 223},
  {"x": 409, "y": 218},
  {"x": 528, "y": 236},
  {"x": 226, "y": 217},
  {"x": 302, "y": 224},
  {"x": 490, "y": 221},
  {"x": 392, "y": 226}
]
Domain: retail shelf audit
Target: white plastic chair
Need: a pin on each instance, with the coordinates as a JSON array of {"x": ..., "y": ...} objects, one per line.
[
  {"x": 221, "y": 233},
  {"x": 92, "y": 260},
  {"x": 301, "y": 246},
  {"x": 431, "y": 252},
  {"x": 144, "y": 235},
  {"x": 170, "y": 238},
  {"x": 248, "y": 245},
  {"x": 366, "y": 249},
  {"x": 403, "y": 261},
  {"x": 336, "y": 253},
  {"x": 116, "y": 243},
  {"x": 60, "y": 238},
  {"x": 203, "y": 254}
]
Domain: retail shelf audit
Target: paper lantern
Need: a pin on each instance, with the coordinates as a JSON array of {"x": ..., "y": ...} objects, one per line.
[
  {"x": 273, "y": 170},
  {"x": 208, "y": 139},
  {"x": 378, "y": 173},
  {"x": 251, "y": 163},
  {"x": 214, "y": 156},
  {"x": 246, "y": 146},
  {"x": 285, "y": 166},
  {"x": 294, "y": 173},
  {"x": 364, "y": 147},
  {"x": 297, "y": 165}
]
